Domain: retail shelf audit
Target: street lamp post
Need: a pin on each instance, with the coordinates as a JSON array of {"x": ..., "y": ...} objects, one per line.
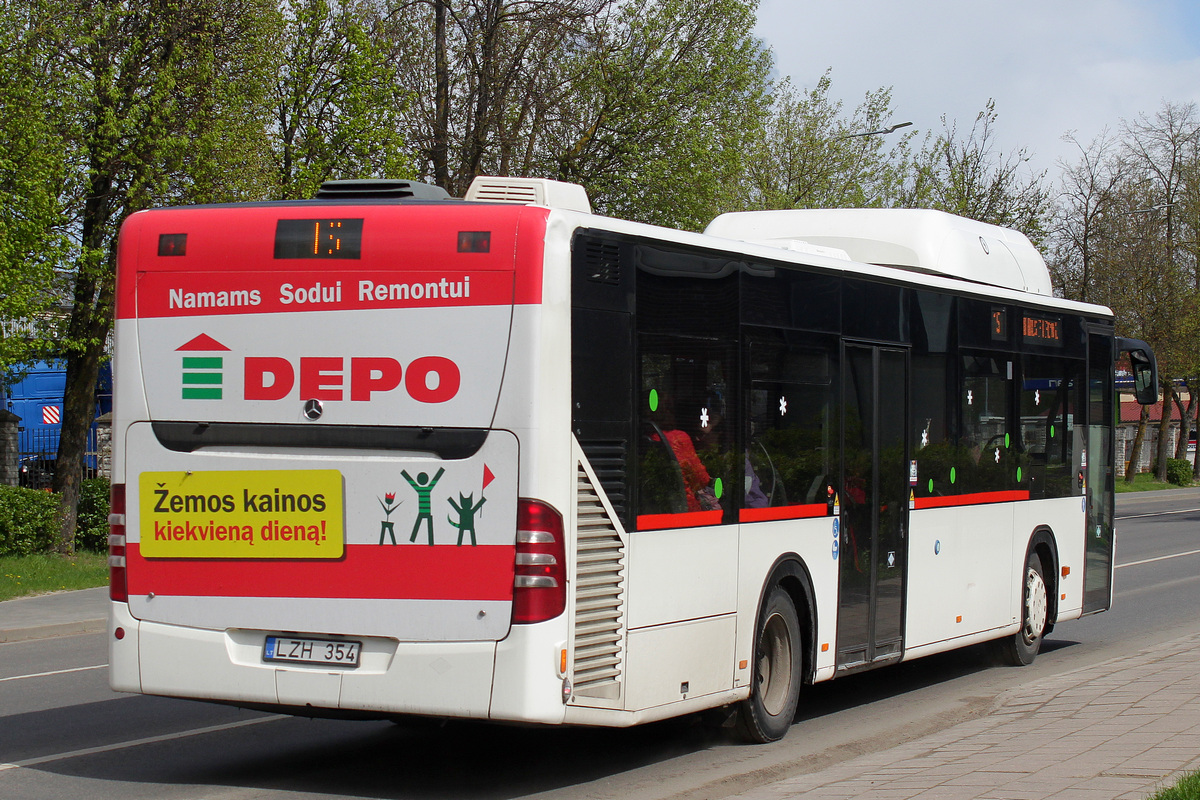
[{"x": 880, "y": 132}]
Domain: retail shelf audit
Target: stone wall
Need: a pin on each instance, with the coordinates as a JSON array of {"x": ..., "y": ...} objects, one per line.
[{"x": 9, "y": 448}]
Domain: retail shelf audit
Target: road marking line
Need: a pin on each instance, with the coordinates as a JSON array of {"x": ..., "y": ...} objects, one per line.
[
  {"x": 1160, "y": 513},
  {"x": 53, "y": 672},
  {"x": 1159, "y": 558},
  {"x": 166, "y": 737}
]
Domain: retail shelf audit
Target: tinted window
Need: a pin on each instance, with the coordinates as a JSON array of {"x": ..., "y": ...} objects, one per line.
[{"x": 791, "y": 455}]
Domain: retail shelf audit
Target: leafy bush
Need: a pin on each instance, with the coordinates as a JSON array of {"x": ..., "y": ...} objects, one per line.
[
  {"x": 1179, "y": 471},
  {"x": 91, "y": 525},
  {"x": 28, "y": 521}
]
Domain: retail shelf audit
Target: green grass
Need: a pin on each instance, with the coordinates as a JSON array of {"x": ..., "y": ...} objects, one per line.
[
  {"x": 1144, "y": 482},
  {"x": 48, "y": 572},
  {"x": 1188, "y": 788}
]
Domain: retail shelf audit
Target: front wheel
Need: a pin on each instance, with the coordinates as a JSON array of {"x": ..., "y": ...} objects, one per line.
[
  {"x": 1021, "y": 648},
  {"x": 775, "y": 691}
]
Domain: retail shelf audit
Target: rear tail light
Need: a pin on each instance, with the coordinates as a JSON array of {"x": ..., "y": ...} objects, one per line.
[
  {"x": 117, "y": 587},
  {"x": 540, "y": 583}
]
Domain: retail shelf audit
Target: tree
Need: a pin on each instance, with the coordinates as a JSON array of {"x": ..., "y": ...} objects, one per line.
[
  {"x": 671, "y": 95},
  {"x": 1090, "y": 190},
  {"x": 485, "y": 75},
  {"x": 33, "y": 173},
  {"x": 811, "y": 155},
  {"x": 337, "y": 102},
  {"x": 647, "y": 105},
  {"x": 1163, "y": 153},
  {"x": 145, "y": 86},
  {"x": 968, "y": 177}
]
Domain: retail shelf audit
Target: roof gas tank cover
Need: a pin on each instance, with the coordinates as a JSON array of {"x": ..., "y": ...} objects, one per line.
[{"x": 920, "y": 240}]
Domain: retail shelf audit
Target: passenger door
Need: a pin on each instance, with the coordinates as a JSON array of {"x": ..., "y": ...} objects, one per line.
[{"x": 873, "y": 500}]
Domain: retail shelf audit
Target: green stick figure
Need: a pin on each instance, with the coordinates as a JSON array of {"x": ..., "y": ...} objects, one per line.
[
  {"x": 423, "y": 487},
  {"x": 466, "y": 515}
]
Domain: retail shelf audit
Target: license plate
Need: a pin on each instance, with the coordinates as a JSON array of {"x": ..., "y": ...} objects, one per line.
[{"x": 337, "y": 652}]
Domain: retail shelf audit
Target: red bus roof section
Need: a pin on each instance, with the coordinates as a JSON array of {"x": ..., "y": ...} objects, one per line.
[{"x": 408, "y": 238}]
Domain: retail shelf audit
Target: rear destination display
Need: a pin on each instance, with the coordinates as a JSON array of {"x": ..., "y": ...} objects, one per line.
[{"x": 242, "y": 514}]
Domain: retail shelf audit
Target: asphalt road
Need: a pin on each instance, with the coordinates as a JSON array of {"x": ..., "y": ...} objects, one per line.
[{"x": 73, "y": 737}]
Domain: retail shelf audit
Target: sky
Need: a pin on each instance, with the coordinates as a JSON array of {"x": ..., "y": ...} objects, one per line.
[{"x": 1052, "y": 66}]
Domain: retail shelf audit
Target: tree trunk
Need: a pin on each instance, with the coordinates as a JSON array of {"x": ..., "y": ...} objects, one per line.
[
  {"x": 439, "y": 152},
  {"x": 1135, "y": 452},
  {"x": 1164, "y": 435},
  {"x": 1185, "y": 422}
]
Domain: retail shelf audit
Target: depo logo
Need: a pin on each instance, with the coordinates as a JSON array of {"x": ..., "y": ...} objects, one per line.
[
  {"x": 203, "y": 375},
  {"x": 428, "y": 379}
]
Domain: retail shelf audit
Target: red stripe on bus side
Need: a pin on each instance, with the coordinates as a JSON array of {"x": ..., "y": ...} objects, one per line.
[
  {"x": 406, "y": 572},
  {"x": 978, "y": 498},
  {"x": 783, "y": 512},
  {"x": 687, "y": 519}
]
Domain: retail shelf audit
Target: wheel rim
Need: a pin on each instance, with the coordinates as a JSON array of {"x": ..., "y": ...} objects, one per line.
[
  {"x": 1035, "y": 606},
  {"x": 775, "y": 665}
]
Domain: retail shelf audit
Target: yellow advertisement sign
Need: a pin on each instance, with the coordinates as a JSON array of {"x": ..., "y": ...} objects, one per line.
[{"x": 242, "y": 514}]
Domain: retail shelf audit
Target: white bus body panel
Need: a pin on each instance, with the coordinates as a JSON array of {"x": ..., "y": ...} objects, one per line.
[
  {"x": 954, "y": 587},
  {"x": 762, "y": 545}
]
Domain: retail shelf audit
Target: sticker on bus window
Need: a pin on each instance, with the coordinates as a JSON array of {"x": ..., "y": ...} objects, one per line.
[{"x": 242, "y": 514}]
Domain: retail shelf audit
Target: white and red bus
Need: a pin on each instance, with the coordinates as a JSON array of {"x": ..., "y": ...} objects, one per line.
[{"x": 390, "y": 453}]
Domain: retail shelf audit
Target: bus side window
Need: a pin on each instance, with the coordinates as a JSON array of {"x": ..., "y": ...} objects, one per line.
[
  {"x": 789, "y": 460},
  {"x": 987, "y": 457},
  {"x": 1049, "y": 409},
  {"x": 685, "y": 445}
]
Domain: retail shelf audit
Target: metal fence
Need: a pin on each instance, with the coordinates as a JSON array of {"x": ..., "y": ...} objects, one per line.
[{"x": 37, "y": 457}]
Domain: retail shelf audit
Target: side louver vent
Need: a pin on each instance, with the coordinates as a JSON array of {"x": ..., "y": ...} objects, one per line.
[
  {"x": 607, "y": 458},
  {"x": 596, "y": 667},
  {"x": 603, "y": 262}
]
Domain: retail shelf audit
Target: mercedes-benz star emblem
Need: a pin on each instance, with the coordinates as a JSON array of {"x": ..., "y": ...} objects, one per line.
[{"x": 312, "y": 409}]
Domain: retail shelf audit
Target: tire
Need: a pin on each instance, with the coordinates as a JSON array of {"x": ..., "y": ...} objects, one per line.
[
  {"x": 770, "y": 710},
  {"x": 1021, "y": 648}
]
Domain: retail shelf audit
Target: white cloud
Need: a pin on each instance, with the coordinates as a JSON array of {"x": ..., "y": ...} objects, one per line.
[{"x": 1052, "y": 66}]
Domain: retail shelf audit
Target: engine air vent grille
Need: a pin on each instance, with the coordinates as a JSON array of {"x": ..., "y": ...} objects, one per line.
[{"x": 596, "y": 669}]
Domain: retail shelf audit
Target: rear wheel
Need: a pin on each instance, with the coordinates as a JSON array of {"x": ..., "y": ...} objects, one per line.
[
  {"x": 1021, "y": 648},
  {"x": 775, "y": 691}
]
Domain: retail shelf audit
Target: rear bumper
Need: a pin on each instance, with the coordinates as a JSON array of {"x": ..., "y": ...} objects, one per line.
[{"x": 452, "y": 679}]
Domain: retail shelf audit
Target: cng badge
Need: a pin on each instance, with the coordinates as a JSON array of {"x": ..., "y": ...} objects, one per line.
[{"x": 242, "y": 514}]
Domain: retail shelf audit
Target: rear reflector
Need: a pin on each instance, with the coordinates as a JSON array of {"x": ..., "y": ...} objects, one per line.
[
  {"x": 540, "y": 581},
  {"x": 117, "y": 586}
]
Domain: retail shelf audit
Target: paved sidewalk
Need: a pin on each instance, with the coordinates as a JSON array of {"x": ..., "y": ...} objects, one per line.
[
  {"x": 59, "y": 614},
  {"x": 1118, "y": 730}
]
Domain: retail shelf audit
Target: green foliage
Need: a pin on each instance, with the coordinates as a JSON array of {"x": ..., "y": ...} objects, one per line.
[
  {"x": 91, "y": 528},
  {"x": 29, "y": 521},
  {"x": 1179, "y": 471},
  {"x": 1188, "y": 788},
  {"x": 810, "y": 154},
  {"x": 668, "y": 98},
  {"x": 49, "y": 572},
  {"x": 337, "y": 98},
  {"x": 33, "y": 163}
]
